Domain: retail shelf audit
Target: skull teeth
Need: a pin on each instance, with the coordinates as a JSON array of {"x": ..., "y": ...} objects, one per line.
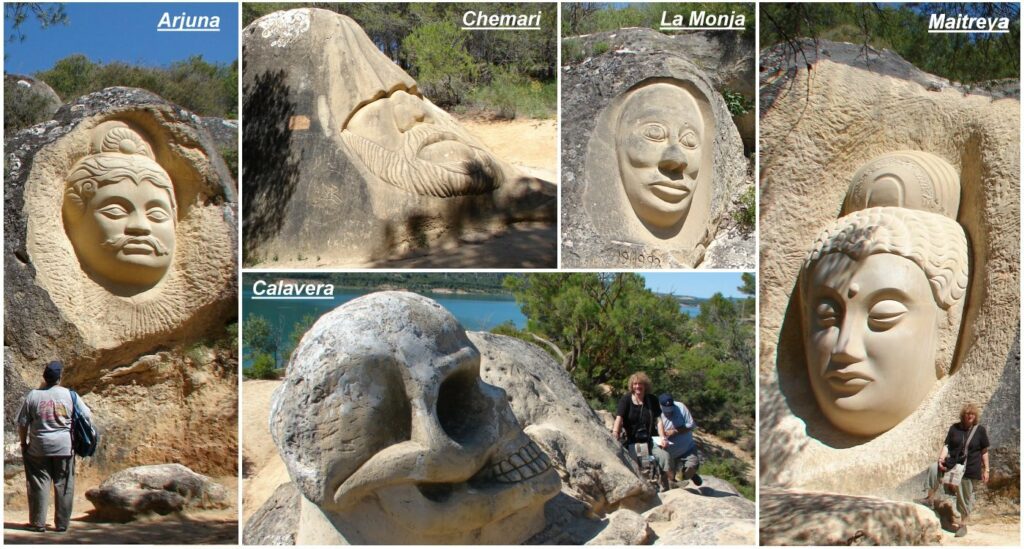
[{"x": 524, "y": 464}]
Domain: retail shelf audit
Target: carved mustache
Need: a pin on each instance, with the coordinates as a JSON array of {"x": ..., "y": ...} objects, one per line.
[
  {"x": 405, "y": 170},
  {"x": 119, "y": 242}
]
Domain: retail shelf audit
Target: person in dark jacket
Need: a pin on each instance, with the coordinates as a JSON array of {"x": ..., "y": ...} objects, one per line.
[{"x": 961, "y": 446}]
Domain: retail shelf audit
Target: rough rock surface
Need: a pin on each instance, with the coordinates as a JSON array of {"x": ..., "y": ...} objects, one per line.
[
  {"x": 160, "y": 489},
  {"x": 726, "y": 57},
  {"x": 883, "y": 107},
  {"x": 308, "y": 186},
  {"x": 138, "y": 362},
  {"x": 712, "y": 514},
  {"x": 277, "y": 521},
  {"x": 614, "y": 237},
  {"x": 594, "y": 468},
  {"x": 624, "y": 527},
  {"x": 809, "y": 518}
]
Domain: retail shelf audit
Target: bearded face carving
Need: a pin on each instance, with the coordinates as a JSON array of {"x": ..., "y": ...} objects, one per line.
[{"x": 392, "y": 437}]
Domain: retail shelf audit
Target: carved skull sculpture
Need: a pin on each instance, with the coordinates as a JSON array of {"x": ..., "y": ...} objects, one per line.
[{"x": 387, "y": 429}]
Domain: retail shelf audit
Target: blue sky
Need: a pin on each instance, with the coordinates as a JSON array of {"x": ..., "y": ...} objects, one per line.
[
  {"x": 703, "y": 284},
  {"x": 122, "y": 32}
]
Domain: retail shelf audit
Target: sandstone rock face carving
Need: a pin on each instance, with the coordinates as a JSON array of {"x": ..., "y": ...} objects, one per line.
[
  {"x": 392, "y": 171},
  {"x": 906, "y": 179},
  {"x": 661, "y": 184},
  {"x": 873, "y": 281},
  {"x": 612, "y": 215},
  {"x": 129, "y": 350},
  {"x": 807, "y": 175},
  {"x": 120, "y": 212},
  {"x": 658, "y": 142},
  {"x": 391, "y": 436}
]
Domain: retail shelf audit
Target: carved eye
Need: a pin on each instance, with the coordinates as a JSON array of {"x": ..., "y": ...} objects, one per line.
[
  {"x": 158, "y": 215},
  {"x": 655, "y": 132},
  {"x": 885, "y": 314},
  {"x": 689, "y": 139},
  {"x": 113, "y": 211},
  {"x": 827, "y": 314}
]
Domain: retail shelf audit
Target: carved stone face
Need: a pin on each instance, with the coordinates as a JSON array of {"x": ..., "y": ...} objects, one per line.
[
  {"x": 870, "y": 334},
  {"x": 120, "y": 218},
  {"x": 387, "y": 428},
  {"x": 401, "y": 141},
  {"x": 658, "y": 143}
]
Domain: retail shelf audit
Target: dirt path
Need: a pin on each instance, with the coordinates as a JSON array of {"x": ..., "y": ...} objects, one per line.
[
  {"x": 202, "y": 528},
  {"x": 205, "y": 527},
  {"x": 266, "y": 470},
  {"x": 531, "y": 143},
  {"x": 988, "y": 530}
]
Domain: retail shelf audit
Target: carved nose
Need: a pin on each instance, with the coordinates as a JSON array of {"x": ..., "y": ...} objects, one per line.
[
  {"x": 849, "y": 347},
  {"x": 408, "y": 113},
  {"x": 137, "y": 224},
  {"x": 674, "y": 160}
]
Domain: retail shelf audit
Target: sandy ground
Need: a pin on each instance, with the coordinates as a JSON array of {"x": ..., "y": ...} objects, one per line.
[
  {"x": 192, "y": 528},
  {"x": 988, "y": 530},
  {"x": 530, "y": 143},
  {"x": 265, "y": 470}
]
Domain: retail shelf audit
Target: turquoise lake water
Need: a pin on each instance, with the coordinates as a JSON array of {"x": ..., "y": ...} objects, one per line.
[{"x": 474, "y": 312}]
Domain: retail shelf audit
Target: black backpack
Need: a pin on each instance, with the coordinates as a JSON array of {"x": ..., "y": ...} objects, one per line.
[{"x": 84, "y": 437}]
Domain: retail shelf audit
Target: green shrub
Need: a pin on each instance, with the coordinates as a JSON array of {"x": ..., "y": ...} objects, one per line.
[
  {"x": 511, "y": 95},
  {"x": 599, "y": 47},
  {"x": 23, "y": 107},
  {"x": 730, "y": 470},
  {"x": 746, "y": 216},
  {"x": 736, "y": 102},
  {"x": 572, "y": 52},
  {"x": 438, "y": 56},
  {"x": 262, "y": 367}
]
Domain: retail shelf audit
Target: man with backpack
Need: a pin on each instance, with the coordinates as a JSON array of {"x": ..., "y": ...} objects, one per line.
[{"x": 44, "y": 427}]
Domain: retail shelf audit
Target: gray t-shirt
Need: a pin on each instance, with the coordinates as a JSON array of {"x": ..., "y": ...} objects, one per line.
[
  {"x": 47, "y": 414},
  {"x": 679, "y": 418}
]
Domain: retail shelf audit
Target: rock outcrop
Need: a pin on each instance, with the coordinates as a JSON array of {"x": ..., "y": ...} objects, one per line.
[
  {"x": 160, "y": 489},
  {"x": 618, "y": 208},
  {"x": 144, "y": 335},
  {"x": 343, "y": 152},
  {"x": 891, "y": 116}
]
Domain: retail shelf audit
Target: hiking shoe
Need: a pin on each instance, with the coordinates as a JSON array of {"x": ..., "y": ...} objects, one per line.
[
  {"x": 34, "y": 528},
  {"x": 697, "y": 480},
  {"x": 927, "y": 502},
  {"x": 61, "y": 529},
  {"x": 962, "y": 531}
]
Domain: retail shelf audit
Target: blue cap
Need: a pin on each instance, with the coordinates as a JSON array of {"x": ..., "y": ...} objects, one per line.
[
  {"x": 666, "y": 401},
  {"x": 52, "y": 371}
]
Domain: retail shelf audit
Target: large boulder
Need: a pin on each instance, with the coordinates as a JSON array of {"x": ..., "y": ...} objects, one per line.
[
  {"x": 712, "y": 514},
  {"x": 277, "y": 520},
  {"x": 136, "y": 329},
  {"x": 612, "y": 215},
  {"x": 834, "y": 126},
  {"x": 27, "y": 101},
  {"x": 391, "y": 436},
  {"x": 594, "y": 467},
  {"x": 813, "y": 518},
  {"x": 343, "y": 153},
  {"x": 160, "y": 489}
]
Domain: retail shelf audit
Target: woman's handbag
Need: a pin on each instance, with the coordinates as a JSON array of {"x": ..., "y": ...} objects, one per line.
[{"x": 956, "y": 474}]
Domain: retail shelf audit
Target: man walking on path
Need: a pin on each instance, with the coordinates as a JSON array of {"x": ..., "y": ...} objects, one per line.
[{"x": 44, "y": 426}]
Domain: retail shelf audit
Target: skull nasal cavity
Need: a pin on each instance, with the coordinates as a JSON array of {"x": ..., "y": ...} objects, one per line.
[{"x": 462, "y": 409}]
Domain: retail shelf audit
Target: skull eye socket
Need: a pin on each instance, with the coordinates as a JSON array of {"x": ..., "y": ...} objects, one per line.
[{"x": 462, "y": 408}]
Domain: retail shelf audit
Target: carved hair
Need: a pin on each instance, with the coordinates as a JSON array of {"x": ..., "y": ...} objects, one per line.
[
  {"x": 933, "y": 242},
  {"x": 119, "y": 154}
]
